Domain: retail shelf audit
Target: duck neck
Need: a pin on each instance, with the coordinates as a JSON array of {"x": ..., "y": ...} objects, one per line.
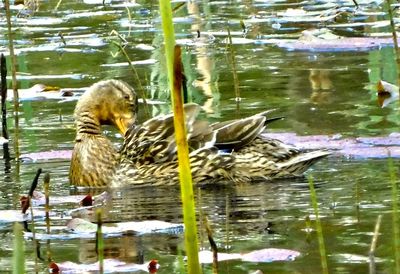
[{"x": 87, "y": 123}]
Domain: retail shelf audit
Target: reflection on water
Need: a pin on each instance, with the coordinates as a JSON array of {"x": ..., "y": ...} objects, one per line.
[{"x": 318, "y": 93}]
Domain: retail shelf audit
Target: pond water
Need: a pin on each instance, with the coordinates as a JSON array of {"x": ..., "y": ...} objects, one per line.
[{"x": 329, "y": 92}]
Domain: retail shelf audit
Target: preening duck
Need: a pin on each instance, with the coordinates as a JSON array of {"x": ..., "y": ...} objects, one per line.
[{"x": 230, "y": 151}]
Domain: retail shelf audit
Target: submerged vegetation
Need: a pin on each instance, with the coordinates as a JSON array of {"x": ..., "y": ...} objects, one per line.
[{"x": 255, "y": 224}]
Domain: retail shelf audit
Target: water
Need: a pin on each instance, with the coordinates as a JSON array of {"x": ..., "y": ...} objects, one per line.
[{"x": 318, "y": 93}]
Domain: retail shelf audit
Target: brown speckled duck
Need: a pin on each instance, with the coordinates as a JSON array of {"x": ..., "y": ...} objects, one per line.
[{"x": 231, "y": 151}]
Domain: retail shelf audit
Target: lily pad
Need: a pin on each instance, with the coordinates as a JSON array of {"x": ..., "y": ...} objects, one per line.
[
  {"x": 263, "y": 255},
  {"x": 110, "y": 266},
  {"x": 8, "y": 216}
]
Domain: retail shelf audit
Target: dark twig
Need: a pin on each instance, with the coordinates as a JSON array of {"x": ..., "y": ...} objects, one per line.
[
  {"x": 4, "y": 95},
  {"x": 47, "y": 208},
  {"x": 35, "y": 182},
  {"x": 100, "y": 241},
  {"x": 35, "y": 243},
  {"x": 213, "y": 245},
  {"x": 6, "y": 151}
]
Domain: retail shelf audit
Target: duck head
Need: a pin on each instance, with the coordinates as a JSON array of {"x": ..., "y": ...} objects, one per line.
[
  {"x": 109, "y": 102},
  {"x": 94, "y": 158}
]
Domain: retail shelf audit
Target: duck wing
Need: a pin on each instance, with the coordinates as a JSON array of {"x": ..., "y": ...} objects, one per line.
[
  {"x": 269, "y": 158},
  {"x": 235, "y": 134},
  {"x": 154, "y": 140}
]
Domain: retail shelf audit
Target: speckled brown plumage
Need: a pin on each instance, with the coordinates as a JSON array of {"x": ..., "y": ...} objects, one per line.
[{"x": 148, "y": 154}]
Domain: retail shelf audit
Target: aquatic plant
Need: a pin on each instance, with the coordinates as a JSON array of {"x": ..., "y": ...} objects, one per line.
[
  {"x": 18, "y": 250},
  {"x": 318, "y": 226},
  {"x": 14, "y": 77},
  {"x": 174, "y": 67},
  {"x": 394, "y": 35},
  {"x": 100, "y": 241},
  {"x": 395, "y": 215}
]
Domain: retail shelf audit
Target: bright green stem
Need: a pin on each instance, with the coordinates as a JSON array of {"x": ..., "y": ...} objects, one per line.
[
  {"x": 19, "y": 249},
  {"x": 185, "y": 176},
  {"x": 321, "y": 243},
  {"x": 395, "y": 215}
]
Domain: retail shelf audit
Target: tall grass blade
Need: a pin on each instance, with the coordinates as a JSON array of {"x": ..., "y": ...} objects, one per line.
[
  {"x": 318, "y": 227},
  {"x": 133, "y": 69},
  {"x": 19, "y": 249},
  {"x": 395, "y": 41},
  {"x": 234, "y": 71},
  {"x": 372, "y": 267},
  {"x": 395, "y": 215},
  {"x": 14, "y": 77},
  {"x": 172, "y": 54}
]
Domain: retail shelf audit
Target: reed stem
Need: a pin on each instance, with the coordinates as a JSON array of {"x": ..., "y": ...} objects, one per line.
[
  {"x": 100, "y": 241},
  {"x": 172, "y": 54},
  {"x": 18, "y": 250},
  {"x": 395, "y": 215},
  {"x": 134, "y": 72},
  {"x": 234, "y": 71},
  {"x": 14, "y": 77},
  {"x": 372, "y": 267},
  {"x": 321, "y": 243}
]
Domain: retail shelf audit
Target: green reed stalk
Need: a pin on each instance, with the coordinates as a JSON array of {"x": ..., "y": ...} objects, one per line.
[
  {"x": 100, "y": 241},
  {"x": 395, "y": 215},
  {"x": 395, "y": 41},
  {"x": 14, "y": 77},
  {"x": 18, "y": 250},
  {"x": 234, "y": 71},
  {"x": 185, "y": 176},
  {"x": 318, "y": 226}
]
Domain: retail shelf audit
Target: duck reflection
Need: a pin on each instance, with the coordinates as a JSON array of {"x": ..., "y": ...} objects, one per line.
[{"x": 321, "y": 87}]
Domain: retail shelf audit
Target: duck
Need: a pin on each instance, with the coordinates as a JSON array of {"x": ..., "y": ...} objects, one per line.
[{"x": 225, "y": 152}]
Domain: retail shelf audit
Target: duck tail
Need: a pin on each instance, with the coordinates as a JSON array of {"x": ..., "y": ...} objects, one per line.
[{"x": 300, "y": 163}]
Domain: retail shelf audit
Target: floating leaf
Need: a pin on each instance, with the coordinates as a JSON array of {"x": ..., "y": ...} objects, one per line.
[
  {"x": 8, "y": 216},
  {"x": 206, "y": 257},
  {"x": 367, "y": 147},
  {"x": 110, "y": 266},
  {"x": 322, "y": 40},
  {"x": 83, "y": 229},
  {"x": 38, "y": 198},
  {"x": 387, "y": 93},
  {"x": 263, "y": 255},
  {"x": 152, "y": 226},
  {"x": 270, "y": 255},
  {"x": 47, "y": 155}
]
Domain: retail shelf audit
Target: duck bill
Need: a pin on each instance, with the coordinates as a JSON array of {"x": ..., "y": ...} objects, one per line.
[{"x": 123, "y": 124}]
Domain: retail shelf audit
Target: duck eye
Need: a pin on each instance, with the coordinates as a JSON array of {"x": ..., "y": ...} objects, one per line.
[{"x": 126, "y": 96}]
